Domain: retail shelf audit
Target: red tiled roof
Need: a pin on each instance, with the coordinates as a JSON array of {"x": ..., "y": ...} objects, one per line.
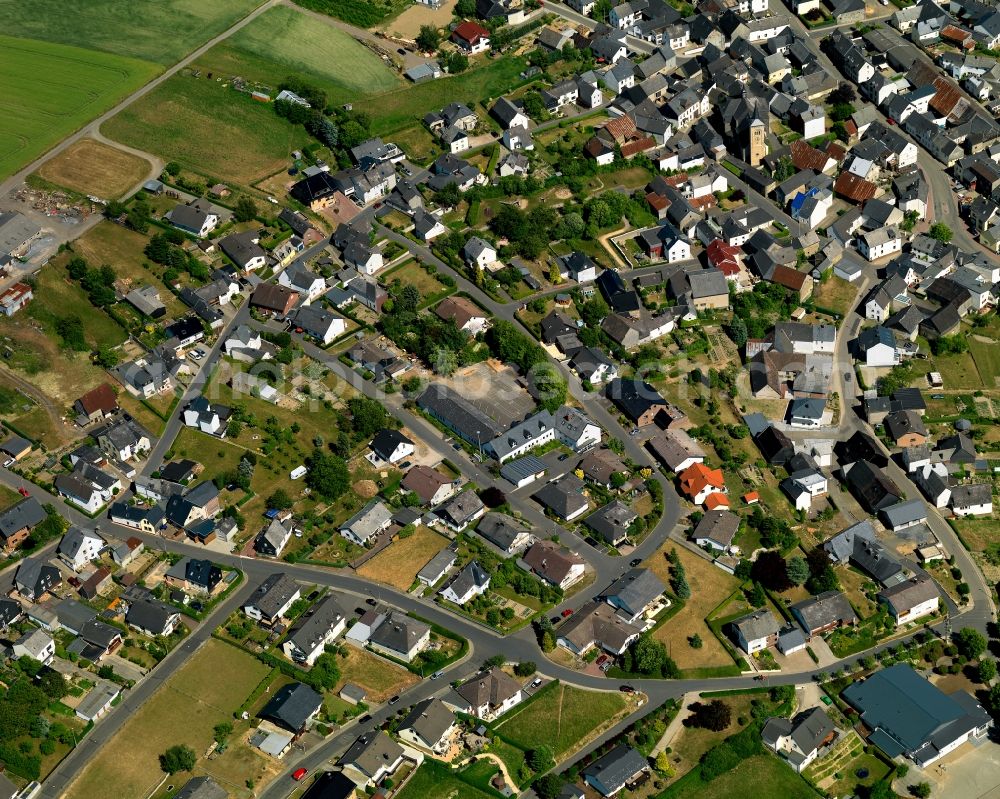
[
  {"x": 657, "y": 201},
  {"x": 805, "y": 156},
  {"x": 724, "y": 257},
  {"x": 788, "y": 277},
  {"x": 854, "y": 188},
  {"x": 101, "y": 399},
  {"x": 637, "y": 146},
  {"x": 947, "y": 96},
  {"x": 751, "y": 498},
  {"x": 620, "y": 128},
  {"x": 714, "y": 501},
  {"x": 698, "y": 477},
  {"x": 836, "y": 151},
  {"x": 699, "y": 203},
  {"x": 470, "y": 32}
]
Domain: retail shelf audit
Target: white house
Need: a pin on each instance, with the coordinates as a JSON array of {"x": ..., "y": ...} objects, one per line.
[
  {"x": 911, "y": 600},
  {"x": 467, "y": 584},
  {"x": 878, "y": 346},
  {"x": 879, "y": 243},
  {"x": 207, "y": 417},
  {"x": 37, "y": 645},
  {"x": 390, "y": 446},
  {"x": 974, "y": 499},
  {"x": 479, "y": 253},
  {"x": 756, "y": 631},
  {"x": 367, "y": 523},
  {"x": 79, "y": 547},
  {"x": 487, "y": 695}
]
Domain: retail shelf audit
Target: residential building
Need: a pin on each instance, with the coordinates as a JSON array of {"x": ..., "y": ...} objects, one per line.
[
  {"x": 430, "y": 486},
  {"x": 619, "y": 769},
  {"x": 597, "y": 624},
  {"x": 488, "y": 694},
  {"x": 317, "y": 627},
  {"x": 35, "y": 578},
  {"x": 37, "y": 645},
  {"x": 272, "y": 598},
  {"x": 756, "y": 631},
  {"x": 152, "y": 618},
  {"x": 637, "y": 592},
  {"x": 293, "y": 707},
  {"x": 554, "y": 564},
  {"x": 461, "y": 510},
  {"x": 430, "y": 725},
  {"x": 717, "y": 529},
  {"x": 470, "y": 582},
  {"x": 372, "y": 757},
  {"x": 79, "y": 547},
  {"x": 911, "y": 600},
  {"x": 800, "y": 739},
  {"x": 390, "y": 446},
  {"x": 400, "y": 637},
  {"x": 369, "y": 522},
  {"x": 824, "y": 612}
]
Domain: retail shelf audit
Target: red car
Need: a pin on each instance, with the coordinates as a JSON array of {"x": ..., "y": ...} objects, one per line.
[
  {"x": 299, "y": 774},
  {"x": 568, "y": 612},
  {"x": 23, "y": 491}
]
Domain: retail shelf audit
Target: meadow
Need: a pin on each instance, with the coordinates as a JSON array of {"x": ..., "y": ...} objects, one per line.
[
  {"x": 282, "y": 41},
  {"x": 162, "y": 31},
  {"x": 209, "y": 129},
  {"x": 48, "y": 90},
  {"x": 183, "y": 711}
]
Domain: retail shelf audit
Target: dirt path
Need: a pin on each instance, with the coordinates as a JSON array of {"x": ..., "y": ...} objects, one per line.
[
  {"x": 503, "y": 768},
  {"x": 605, "y": 241},
  {"x": 674, "y": 726},
  {"x": 53, "y": 411}
]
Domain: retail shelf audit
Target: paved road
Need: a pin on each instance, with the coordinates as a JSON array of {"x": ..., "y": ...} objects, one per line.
[{"x": 62, "y": 775}]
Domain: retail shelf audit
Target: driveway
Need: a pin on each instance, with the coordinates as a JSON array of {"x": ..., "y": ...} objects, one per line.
[{"x": 972, "y": 770}]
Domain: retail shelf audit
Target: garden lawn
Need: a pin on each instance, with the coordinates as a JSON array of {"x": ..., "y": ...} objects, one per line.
[
  {"x": 958, "y": 371},
  {"x": 690, "y": 743},
  {"x": 434, "y": 780},
  {"x": 200, "y": 124},
  {"x": 987, "y": 358},
  {"x": 562, "y": 718},
  {"x": 978, "y": 533},
  {"x": 398, "y": 564},
  {"x": 412, "y": 273},
  {"x": 758, "y": 776},
  {"x": 380, "y": 678},
  {"x": 48, "y": 91},
  {"x": 183, "y": 711},
  {"x": 709, "y": 586},
  {"x": 835, "y": 294},
  {"x": 155, "y": 30}
]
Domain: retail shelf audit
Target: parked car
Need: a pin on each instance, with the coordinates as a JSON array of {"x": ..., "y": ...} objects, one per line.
[
  {"x": 299, "y": 773},
  {"x": 567, "y": 613},
  {"x": 436, "y": 674},
  {"x": 635, "y": 562},
  {"x": 626, "y": 689},
  {"x": 364, "y": 719},
  {"x": 563, "y": 457},
  {"x": 371, "y": 602},
  {"x": 536, "y": 682},
  {"x": 394, "y": 699}
]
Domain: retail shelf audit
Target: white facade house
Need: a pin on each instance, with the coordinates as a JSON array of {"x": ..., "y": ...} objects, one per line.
[
  {"x": 911, "y": 600},
  {"x": 479, "y": 253},
  {"x": 974, "y": 499},
  {"x": 79, "y": 547},
  {"x": 879, "y": 243}
]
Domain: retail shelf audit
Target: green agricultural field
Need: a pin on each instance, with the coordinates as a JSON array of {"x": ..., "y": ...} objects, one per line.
[
  {"x": 562, "y": 718},
  {"x": 155, "y": 30},
  {"x": 47, "y": 91},
  {"x": 282, "y": 41},
  {"x": 209, "y": 128}
]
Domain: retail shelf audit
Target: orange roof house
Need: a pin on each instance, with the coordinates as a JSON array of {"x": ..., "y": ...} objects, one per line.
[
  {"x": 716, "y": 501},
  {"x": 698, "y": 482},
  {"x": 751, "y": 498}
]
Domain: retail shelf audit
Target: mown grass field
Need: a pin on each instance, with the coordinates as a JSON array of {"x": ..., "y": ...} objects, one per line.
[
  {"x": 399, "y": 563},
  {"x": 155, "y": 30},
  {"x": 122, "y": 249},
  {"x": 92, "y": 167},
  {"x": 761, "y": 775},
  {"x": 380, "y": 678},
  {"x": 48, "y": 90},
  {"x": 203, "y": 692},
  {"x": 563, "y": 718},
  {"x": 987, "y": 357},
  {"x": 709, "y": 586},
  {"x": 209, "y": 129},
  {"x": 301, "y": 44},
  {"x": 434, "y": 780}
]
